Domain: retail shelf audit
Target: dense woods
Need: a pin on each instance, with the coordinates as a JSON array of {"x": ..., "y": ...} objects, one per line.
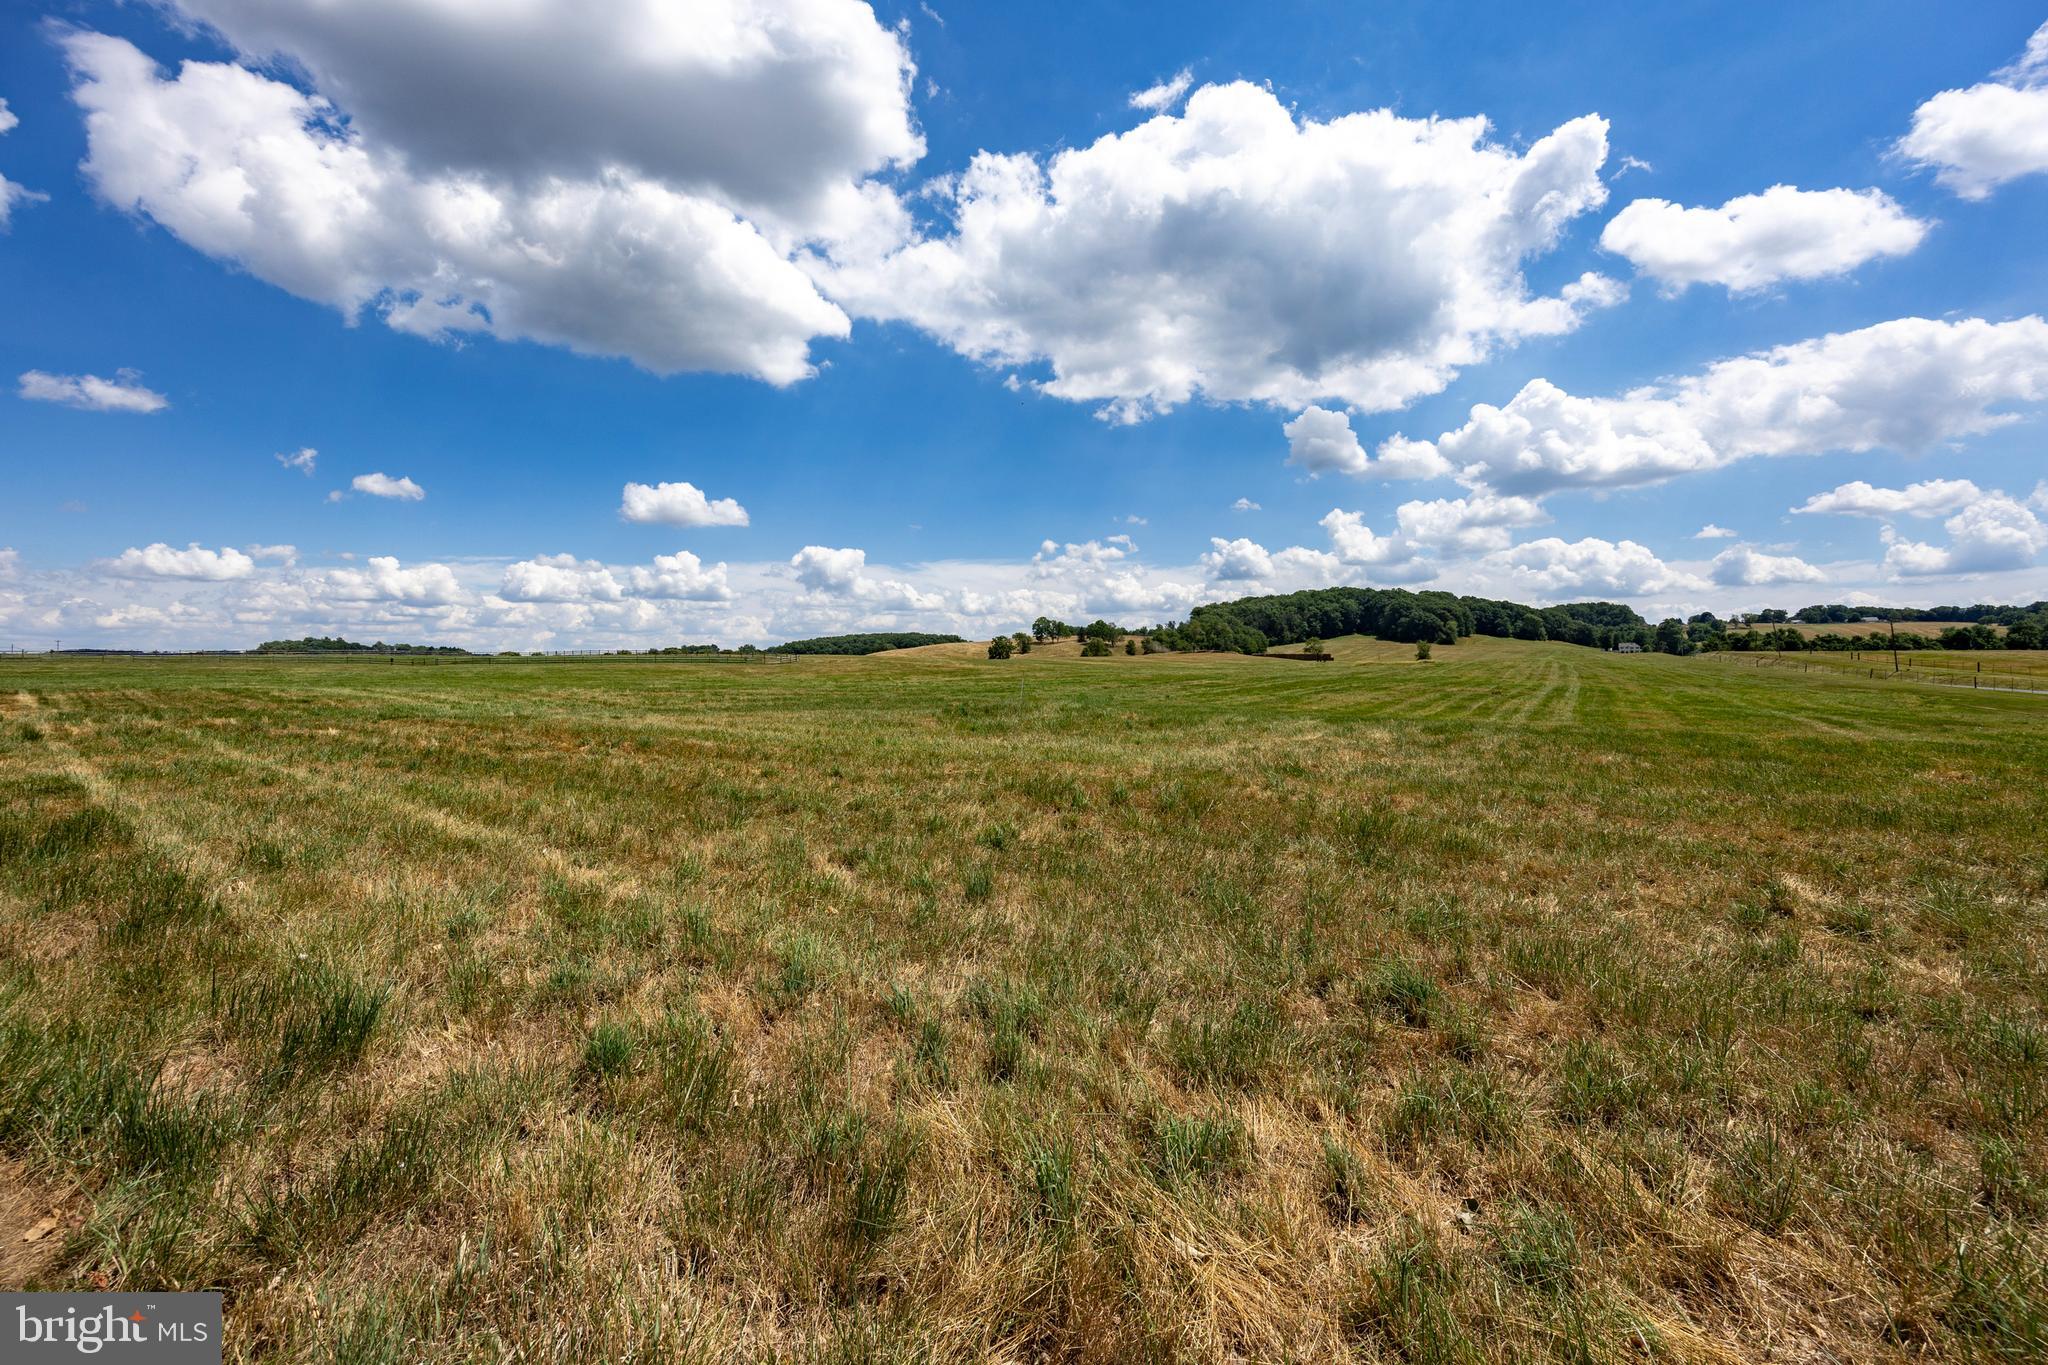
[{"x": 1250, "y": 625}]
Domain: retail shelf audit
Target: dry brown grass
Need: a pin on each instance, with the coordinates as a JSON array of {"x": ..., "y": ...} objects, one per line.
[{"x": 1525, "y": 1003}]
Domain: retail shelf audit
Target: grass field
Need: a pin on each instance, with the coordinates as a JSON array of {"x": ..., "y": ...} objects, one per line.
[
  {"x": 1931, "y": 629},
  {"x": 1531, "y": 1003}
]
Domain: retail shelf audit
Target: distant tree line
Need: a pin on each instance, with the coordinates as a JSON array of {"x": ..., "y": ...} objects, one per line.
[
  {"x": 334, "y": 644},
  {"x": 862, "y": 644},
  {"x": 2024, "y": 628},
  {"x": 1250, "y": 625},
  {"x": 1983, "y": 613}
]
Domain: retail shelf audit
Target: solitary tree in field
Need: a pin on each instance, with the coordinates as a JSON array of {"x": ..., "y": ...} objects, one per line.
[
  {"x": 1422, "y": 649},
  {"x": 1131, "y": 645},
  {"x": 1311, "y": 646},
  {"x": 1001, "y": 647}
]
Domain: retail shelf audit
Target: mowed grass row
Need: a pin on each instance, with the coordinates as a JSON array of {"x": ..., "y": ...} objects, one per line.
[{"x": 1527, "y": 1003}]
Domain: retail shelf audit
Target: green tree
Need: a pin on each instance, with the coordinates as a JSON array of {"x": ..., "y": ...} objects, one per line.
[
  {"x": 1422, "y": 649},
  {"x": 1671, "y": 637},
  {"x": 1002, "y": 647},
  {"x": 1131, "y": 645}
]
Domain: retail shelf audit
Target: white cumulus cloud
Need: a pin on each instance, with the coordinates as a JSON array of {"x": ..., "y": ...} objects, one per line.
[
  {"x": 559, "y": 578},
  {"x": 303, "y": 459},
  {"x": 1237, "y": 253},
  {"x": 681, "y": 577},
  {"x": 1977, "y": 139},
  {"x": 1321, "y": 441},
  {"x": 384, "y": 579},
  {"x": 1166, "y": 94},
  {"x": 678, "y": 504},
  {"x": 1741, "y": 566},
  {"x": 1237, "y": 559},
  {"x": 89, "y": 392},
  {"x": 1713, "y": 532},
  {"x": 1756, "y": 240},
  {"x": 1905, "y": 385},
  {"x": 381, "y": 485},
  {"x": 1992, "y": 533},
  {"x": 194, "y": 561},
  {"x": 631, "y": 179},
  {"x": 1930, "y": 498},
  {"x": 1552, "y": 568}
]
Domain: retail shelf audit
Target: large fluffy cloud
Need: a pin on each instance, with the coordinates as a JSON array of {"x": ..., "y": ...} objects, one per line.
[
  {"x": 678, "y": 504},
  {"x": 1743, "y": 566},
  {"x": 628, "y": 180},
  {"x": 91, "y": 393},
  {"x": 680, "y": 577},
  {"x": 1240, "y": 254},
  {"x": 384, "y": 579},
  {"x": 1551, "y": 568},
  {"x": 559, "y": 578},
  {"x": 1905, "y": 385},
  {"x": 1993, "y": 533},
  {"x": 1977, "y": 139},
  {"x": 1756, "y": 240},
  {"x": 1320, "y": 441},
  {"x": 195, "y": 561},
  {"x": 1929, "y": 498},
  {"x": 776, "y": 110}
]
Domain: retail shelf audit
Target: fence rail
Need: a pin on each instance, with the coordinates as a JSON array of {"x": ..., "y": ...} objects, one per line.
[{"x": 1973, "y": 679}]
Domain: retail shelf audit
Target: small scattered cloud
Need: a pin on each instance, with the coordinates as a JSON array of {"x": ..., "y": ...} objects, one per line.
[
  {"x": 11, "y": 193},
  {"x": 1155, "y": 98},
  {"x": 302, "y": 459},
  {"x": 286, "y": 555},
  {"x": 91, "y": 393},
  {"x": 678, "y": 504},
  {"x": 1244, "y": 505},
  {"x": 1713, "y": 532},
  {"x": 381, "y": 485}
]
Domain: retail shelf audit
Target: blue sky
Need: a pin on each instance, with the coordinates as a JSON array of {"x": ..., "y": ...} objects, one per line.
[{"x": 971, "y": 336}]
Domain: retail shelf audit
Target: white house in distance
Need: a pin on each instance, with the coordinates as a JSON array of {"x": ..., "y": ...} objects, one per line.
[{"x": 1628, "y": 647}]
